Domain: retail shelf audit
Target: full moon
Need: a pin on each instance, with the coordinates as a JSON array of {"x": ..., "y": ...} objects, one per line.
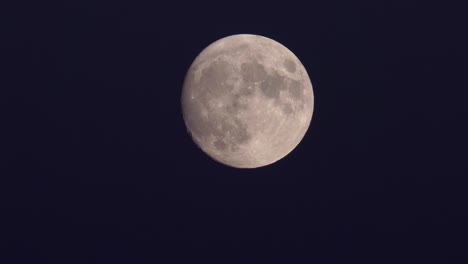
[{"x": 247, "y": 101}]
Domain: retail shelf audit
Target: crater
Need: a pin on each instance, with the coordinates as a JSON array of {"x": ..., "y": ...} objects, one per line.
[
  {"x": 272, "y": 85},
  {"x": 253, "y": 72},
  {"x": 289, "y": 65}
]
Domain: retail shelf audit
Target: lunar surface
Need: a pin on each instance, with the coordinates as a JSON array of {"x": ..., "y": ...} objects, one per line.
[{"x": 247, "y": 101}]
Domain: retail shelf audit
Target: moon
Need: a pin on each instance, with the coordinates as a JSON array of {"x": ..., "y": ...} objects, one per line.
[{"x": 247, "y": 101}]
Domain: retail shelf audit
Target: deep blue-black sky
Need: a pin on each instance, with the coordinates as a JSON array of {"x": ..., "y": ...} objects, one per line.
[{"x": 97, "y": 165}]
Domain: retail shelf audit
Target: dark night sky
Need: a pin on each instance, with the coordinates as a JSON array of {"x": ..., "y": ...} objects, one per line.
[{"x": 97, "y": 167}]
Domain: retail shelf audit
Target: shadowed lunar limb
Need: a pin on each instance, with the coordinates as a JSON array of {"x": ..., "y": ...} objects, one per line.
[{"x": 247, "y": 101}]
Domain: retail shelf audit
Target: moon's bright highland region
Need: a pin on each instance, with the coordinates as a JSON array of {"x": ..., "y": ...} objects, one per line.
[{"x": 247, "y": 101}]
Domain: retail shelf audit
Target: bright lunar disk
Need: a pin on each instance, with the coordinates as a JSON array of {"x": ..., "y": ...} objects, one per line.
[{"x": 247, "y": 101}]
